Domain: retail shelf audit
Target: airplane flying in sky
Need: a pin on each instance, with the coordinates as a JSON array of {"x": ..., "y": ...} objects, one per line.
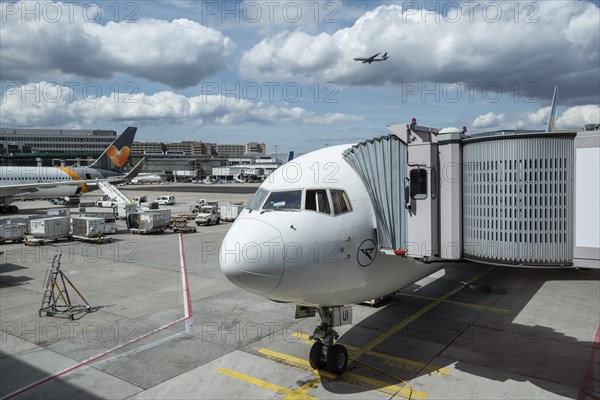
[
  {"x": 19, "y": 183},
  {"x": 355, "y": 222},
  {"x": 372, "y": 58}
]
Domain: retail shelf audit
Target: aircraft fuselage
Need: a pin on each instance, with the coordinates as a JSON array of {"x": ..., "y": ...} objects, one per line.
[{"x": 313, "y": 257}]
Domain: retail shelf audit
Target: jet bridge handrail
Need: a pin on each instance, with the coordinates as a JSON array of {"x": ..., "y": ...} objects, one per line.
[{"x": 382, "y": 164}]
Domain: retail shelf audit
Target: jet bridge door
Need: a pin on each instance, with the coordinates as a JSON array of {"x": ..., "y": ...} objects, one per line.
[
  {"x": 422, "y": 198},
  {"x": 382, "y": 165}
]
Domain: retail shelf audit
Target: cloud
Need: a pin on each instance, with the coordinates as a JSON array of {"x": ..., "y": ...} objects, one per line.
[
  {"x": 47, "y": 104},
  {"x": 579, "y": 116},
  {"x": 547, "y": 43},
  {"x": 268, "y": 17},
  {"x": 572, "y": 118},
  {"x": 488, "y": 120},
  {"x": 64, "y": 42}
]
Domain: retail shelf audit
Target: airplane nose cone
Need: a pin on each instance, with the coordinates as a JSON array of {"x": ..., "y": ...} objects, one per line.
[{"x": 252, "y": 255}]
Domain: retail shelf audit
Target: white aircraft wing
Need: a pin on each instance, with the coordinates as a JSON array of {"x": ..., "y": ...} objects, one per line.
[{"x": 22, "y": 188}]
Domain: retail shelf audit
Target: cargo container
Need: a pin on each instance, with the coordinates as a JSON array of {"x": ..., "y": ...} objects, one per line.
[
  {"x": 151, "y": 205},
  {"x": 62, "y": 212},
  {"x": 229, "y": 212},
  {"x": 110, "y": 221},
  {"x": 124, "y": 209},
  {"x": 149, "y": 221},
  {"x": 50, "y": 228},
  {"x": 12, "y": 231},
  {"x": 89, "y": 227}
]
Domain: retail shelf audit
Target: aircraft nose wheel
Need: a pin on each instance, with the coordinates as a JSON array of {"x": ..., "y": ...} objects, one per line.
[
  {"x": 324, "y": 354},
  {"x": 315, "y": 356},
  {"x": 337, "y": 359}
]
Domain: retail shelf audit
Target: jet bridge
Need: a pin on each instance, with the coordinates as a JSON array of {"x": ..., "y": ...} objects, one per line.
[
  {"x": 382, "y": 164},
  {"x": 509, "y": 198}
]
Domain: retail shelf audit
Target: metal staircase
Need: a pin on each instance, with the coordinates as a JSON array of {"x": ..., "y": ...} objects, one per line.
[{"x": 114, "y": 193}]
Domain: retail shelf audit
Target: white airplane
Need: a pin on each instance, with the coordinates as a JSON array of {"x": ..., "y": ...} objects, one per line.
[
  {"x": 310, "y": 240},
  {"x": 147, "y": 178},
  {"x": 350, "y": 223},
  {"x": 372, "y": 58},
  {"x": 19, "y": 183}
]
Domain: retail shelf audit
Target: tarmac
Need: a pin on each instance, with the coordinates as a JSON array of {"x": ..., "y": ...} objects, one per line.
[{"x": 469, "y": 331}]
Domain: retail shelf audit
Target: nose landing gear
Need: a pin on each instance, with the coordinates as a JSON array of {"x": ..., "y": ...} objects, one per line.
[{"x": 325, "y": 354}]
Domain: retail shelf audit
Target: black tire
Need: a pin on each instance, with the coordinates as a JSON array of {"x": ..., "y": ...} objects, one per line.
[
  {"x": 218, "y": 221},
  {"x": 314, "y": 357},
  {"x": 13, "y": 209},
  {"x": 337, "y": 359}
]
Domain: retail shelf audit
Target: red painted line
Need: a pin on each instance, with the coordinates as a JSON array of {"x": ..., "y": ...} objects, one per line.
[
  {"x": 186, "y": 284},
  {"x": 90, "y": 360},
  {"x": 119, "y": 347},
  {"x": 585, "y": 386}
]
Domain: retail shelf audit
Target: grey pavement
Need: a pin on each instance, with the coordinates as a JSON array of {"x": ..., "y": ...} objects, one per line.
[{"x": 534, "y": 341}]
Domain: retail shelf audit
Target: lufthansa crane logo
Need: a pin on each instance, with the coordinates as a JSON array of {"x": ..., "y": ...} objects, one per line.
[{"x": 367, "y": 251}]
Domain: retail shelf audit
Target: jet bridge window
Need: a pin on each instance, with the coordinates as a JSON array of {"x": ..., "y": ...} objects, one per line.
[
  {"x": 287, "y": 200},
  {"x": 257, "y": 200},
  {"x": 418, "y": 184},
  {"x": 341, "y": 204},
  {"x": 316, "y": 200}
]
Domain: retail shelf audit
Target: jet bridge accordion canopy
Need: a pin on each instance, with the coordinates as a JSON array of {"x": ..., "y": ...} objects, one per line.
[
  {"x": 382, "y": 164},
  {"x": 518, "y": 199}
]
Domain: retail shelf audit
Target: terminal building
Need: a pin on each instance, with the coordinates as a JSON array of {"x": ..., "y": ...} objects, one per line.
[
  {"x": 46, "y": 147},
  {"x": 198, "y": 160},
  {"x": 198, "y": 148},
  {"x": 41, "y": 146}
]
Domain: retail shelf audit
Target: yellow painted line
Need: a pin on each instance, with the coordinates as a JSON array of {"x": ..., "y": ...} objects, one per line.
[
  {"x": 289, "y": 393},
  {"x": 392, "y": 360},
  {"x": 398, "y": 327},
  {"x": 299, "y": 361},
  {"x": 384, "y": 387},
  {"x": 348, "y": 376},
  {"x": 459, "y": 303}
]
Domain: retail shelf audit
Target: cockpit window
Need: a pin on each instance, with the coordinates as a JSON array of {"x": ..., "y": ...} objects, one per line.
[
  {"x": 341, "y": 204},
  {"x": 288, "y": 200},
  {"x": 257, "y": 200},
  {"x": 316, "y": 200}
]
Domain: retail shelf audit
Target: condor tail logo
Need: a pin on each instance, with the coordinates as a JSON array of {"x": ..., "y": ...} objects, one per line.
[
  {"x": 117, "y": 154},
  {"x": 118, "y": 157}
]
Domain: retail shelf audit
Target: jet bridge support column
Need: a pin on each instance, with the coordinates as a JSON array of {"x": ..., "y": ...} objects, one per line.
[
  {"x": 586, "y": 244},
  {"x": 450, "y": 200}
]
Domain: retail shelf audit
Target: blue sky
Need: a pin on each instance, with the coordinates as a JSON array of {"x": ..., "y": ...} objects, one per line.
[{"x": 282, "y": 72}]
